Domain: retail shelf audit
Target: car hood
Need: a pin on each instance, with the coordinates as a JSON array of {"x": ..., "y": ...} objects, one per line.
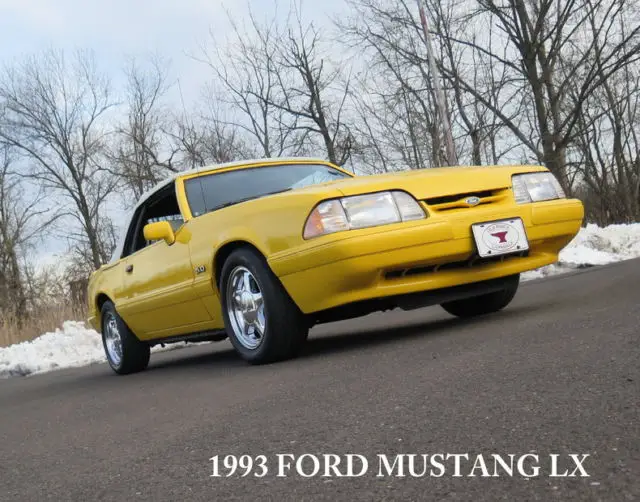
[{"x": 435, "y": 182}]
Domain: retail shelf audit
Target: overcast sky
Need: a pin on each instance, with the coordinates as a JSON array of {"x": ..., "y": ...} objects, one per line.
[
  {"x": 115, "y": 29},
  {"x": 118, "y": 29}
]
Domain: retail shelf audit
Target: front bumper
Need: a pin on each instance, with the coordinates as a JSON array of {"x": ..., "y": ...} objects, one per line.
[{"x": 438, "y": 253}]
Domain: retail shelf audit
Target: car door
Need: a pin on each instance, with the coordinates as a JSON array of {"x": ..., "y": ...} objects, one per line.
[{"x": 158, "y": 298}]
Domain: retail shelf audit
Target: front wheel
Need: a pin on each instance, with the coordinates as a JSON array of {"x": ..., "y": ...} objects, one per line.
[
  {"x": 125, "y": 353},
  {"x": 484, "y": 304},
  {"x": 263, "y": 323}
]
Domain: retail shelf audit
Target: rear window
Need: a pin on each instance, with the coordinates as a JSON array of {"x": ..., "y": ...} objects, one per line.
[{"x": 217, "y": 190}]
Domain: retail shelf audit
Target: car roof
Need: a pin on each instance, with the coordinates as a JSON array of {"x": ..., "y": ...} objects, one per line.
[{"x": 117, "y": 253}]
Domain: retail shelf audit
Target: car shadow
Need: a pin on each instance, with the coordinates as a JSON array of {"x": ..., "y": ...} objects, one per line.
[
  {"x": 375, "y": 336},
  {"x": 219, "y": 359},
  {"x": 345, "y": 339}
]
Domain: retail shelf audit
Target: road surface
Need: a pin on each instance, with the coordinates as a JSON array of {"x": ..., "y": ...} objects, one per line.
[{"x": 557, "y": 372}]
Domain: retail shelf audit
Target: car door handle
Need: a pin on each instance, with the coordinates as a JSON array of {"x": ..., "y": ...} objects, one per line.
[{"x": 129, "y": 269}]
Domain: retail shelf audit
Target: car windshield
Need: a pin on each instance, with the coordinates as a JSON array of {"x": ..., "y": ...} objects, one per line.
[{"x": 217, "y": 190}]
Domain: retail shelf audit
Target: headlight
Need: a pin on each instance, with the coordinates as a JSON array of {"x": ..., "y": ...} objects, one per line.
[
  {"x": 362, "y": 211},
  {"x": 536, "y": 187}
]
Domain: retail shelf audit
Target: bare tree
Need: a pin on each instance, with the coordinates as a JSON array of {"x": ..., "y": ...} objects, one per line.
[
  {"x": 143, "y": 152},
  {"x": 441, "y": 105},
  {"x": 479, "y": 125},
  {"x": 312, "y": 90},
  {"x": 390, "y": 131},
  {"x": 521, "y": 74},
  {"x": 389, "y": 38},
  {"x": 286, "y": 94},
  {"x": 21, "y": 220},
  {"x": 205, "y": 139},
  {"x": 52, "y": 113},
  {"x": 550, "y": 51},
  {"x": 606, "y": 150},
  {"x": 246, "y": 70}
]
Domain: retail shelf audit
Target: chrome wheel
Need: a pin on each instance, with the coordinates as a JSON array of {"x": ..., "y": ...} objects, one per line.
[
  {"x": 245, "y": 306},
  {"x": 112, "y": 339}
]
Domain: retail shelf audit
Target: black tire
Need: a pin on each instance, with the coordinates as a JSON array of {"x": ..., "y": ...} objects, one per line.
[
  {"x": 134, "y": 353},
  {"x": 484, "y": 304},
  {"x": 285, "y": 327}
]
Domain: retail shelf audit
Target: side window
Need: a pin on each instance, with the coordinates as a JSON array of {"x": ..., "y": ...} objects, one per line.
[{"x": 162, "y": 206}]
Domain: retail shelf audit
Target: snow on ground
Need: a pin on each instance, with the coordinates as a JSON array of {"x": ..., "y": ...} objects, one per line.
[
  {"x": 72, "y": 346},
  {"x": 75, "y": 345},
  {"x": 594, "y": 246}
]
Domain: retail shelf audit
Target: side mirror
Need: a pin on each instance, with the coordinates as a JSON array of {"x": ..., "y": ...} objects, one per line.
[{"x": 158, "y": 231}]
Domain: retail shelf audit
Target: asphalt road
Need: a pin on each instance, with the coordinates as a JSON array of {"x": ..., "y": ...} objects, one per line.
[{"x": 555, "y": 373}]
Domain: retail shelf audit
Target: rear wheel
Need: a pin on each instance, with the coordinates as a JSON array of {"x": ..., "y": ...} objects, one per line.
[
  {"x": 484, "y": 304},
  {"x": 125, "y": 353},
  {"x": 263, "y": 323}
]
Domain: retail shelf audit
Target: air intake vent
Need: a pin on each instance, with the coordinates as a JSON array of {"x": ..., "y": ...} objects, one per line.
[
  {"x": 465, "y": 200},
  {"x": 455, "y": 198},
  {"x": 474, "y": 261}
]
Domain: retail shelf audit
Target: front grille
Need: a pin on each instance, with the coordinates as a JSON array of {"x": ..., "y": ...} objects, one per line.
[
  {"x": 457, "y": 201},
  {"x": 475, "y": 261},
  {"x": 435, "y": 201}
]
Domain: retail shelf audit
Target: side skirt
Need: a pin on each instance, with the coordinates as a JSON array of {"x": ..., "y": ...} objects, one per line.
[{"x": 202, "y": 336}]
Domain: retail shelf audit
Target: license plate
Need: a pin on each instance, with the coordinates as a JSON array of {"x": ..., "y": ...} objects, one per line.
[{"x": 495, "y": 238}]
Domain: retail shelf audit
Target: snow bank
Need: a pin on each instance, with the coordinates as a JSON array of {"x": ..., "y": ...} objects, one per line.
[
  {"x": 594, "y": 246},
  {"x": 75, "y": 345},
  {"x": 72, "y": 346}
]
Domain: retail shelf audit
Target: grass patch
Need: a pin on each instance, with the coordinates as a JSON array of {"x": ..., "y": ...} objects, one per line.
[{"x": 13, "y": 330}]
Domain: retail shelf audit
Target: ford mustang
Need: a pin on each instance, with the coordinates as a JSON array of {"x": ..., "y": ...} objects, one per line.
[{"x": 261, "y": 251}]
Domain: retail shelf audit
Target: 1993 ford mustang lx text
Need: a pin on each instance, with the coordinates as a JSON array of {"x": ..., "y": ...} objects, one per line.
[{"x": 260, "y": 251}]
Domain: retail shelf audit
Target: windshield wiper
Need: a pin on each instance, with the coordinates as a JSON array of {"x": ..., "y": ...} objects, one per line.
[{"x": 246, "y": 199}]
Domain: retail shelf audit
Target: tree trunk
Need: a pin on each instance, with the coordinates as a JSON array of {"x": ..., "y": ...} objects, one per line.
[
  {"x": 476, "y": 146},
  {"x": 555, "y": 160}
]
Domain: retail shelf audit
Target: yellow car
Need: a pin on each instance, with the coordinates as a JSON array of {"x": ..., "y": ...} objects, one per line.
[{"x": 260, "y": 251}]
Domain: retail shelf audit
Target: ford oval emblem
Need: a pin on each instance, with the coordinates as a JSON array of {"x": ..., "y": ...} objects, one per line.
[{"x": 473, "y": 201}]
